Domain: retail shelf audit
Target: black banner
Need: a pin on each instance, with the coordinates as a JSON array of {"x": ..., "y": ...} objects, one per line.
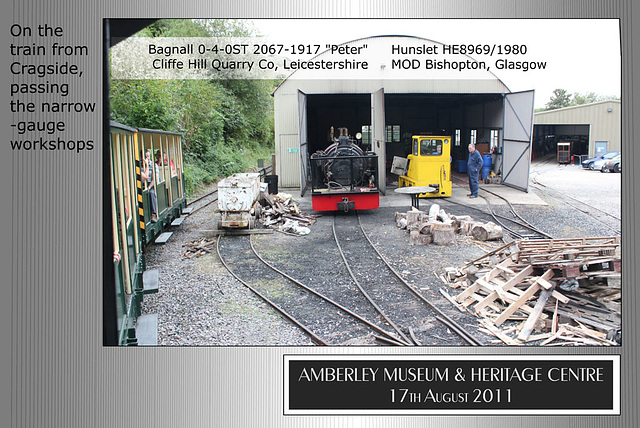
[{"x": 486, "y": 384}]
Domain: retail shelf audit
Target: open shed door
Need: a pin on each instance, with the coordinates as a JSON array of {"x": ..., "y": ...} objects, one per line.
[
  {"x": 305, "y": 176},
  {"x": 516, "y": 140},
  {"x": 377, "y": 137}
]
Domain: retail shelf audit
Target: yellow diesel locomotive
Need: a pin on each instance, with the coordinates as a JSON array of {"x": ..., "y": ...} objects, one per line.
[{"x": 429, "y": 165}]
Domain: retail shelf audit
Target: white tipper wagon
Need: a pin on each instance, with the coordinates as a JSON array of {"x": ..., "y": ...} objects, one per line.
[{"x": 238, "y": 200}]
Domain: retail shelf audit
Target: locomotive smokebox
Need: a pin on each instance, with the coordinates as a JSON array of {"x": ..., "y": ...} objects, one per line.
[{"x": 343, "y": 176}]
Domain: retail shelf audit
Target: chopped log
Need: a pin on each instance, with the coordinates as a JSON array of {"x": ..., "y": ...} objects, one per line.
[
  {"x": 444, "y": 217},
  {"x": 400, "y": 215},
  {"x": 466, "y": 226},
  {"x": 413, "y": 218},
  {"x": 486, "y": 232},
  {"x": 433, "y": 213},
  {"x": 425, "y": 228},
  {"x": 416, "y": 238},
  {"x": 401, "y": 220},
  {"x": 456, "y": 220},
  {"x": 443, "y": 234}
]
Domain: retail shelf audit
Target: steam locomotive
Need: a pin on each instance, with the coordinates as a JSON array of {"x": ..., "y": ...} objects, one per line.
[{"x": 344, "y": 177}]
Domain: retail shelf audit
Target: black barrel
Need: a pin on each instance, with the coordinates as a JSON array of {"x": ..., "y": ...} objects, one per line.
[{"x": 272, "y": 181}]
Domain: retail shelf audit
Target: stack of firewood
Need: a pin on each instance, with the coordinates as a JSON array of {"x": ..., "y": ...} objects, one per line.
[
  {"x": 280, "y": 210},
  {"x": 438, "y": 227},
  {"x": 544, "y": 290},
  {"x": 197, "y": 248}
]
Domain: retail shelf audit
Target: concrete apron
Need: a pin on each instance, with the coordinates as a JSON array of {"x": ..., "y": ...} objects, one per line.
[{"x": 459, "y": 194}]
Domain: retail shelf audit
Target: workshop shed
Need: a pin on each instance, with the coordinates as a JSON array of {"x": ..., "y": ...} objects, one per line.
[
  {"x": 398, "y": 96},
  {"x": 593, "y": 129}
]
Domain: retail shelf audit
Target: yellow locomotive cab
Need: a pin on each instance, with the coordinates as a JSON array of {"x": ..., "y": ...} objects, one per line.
[{"x": 429, "y": 165}]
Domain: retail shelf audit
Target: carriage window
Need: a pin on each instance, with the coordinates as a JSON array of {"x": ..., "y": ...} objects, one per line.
[
  {"x": 172, "y": 157},
  {"x": 457, "y": 143},
  {"x": 157, "y": 160},
  {"x": 430, "y": 147},
  {"x": 416, "y": 145}
]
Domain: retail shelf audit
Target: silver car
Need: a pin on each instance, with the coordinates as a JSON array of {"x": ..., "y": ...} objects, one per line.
[{"x": 612, "y": 165}]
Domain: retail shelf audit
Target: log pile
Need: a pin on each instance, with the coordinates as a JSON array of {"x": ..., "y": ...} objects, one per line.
[
  {"x": 197, "y": 248},
  {"x": 549, "y": 291},
  {"x": 440, "y": 228},
  {"x": 280, "y": 212}
]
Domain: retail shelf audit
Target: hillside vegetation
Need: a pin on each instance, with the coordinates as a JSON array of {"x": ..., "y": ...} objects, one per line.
[{"x": 226, "y": 124}]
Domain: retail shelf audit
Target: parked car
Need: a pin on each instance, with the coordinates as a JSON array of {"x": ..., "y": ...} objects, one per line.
[
  {"x": 589, "y": 163},
  {"x": 612, "y": 165},
  {"x": 597, "y": 165}
]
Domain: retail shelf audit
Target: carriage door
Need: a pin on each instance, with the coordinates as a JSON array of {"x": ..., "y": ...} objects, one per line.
[
  {"x": 377, "y": 137},
  {"x": 305, "y": 175},
  {"x": 516, "y": 143}
]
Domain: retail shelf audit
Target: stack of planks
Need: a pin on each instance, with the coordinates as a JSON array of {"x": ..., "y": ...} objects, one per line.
[
  {"x": 280, "y": 208},
  {"x": 524, "y": 282}
]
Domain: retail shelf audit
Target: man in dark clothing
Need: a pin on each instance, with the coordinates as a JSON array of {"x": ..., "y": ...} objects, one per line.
[{"x": 473, "y": 168}]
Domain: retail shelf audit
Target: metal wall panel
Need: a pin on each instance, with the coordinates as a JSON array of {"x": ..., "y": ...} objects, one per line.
[
  {"x": 288, "y": 160},
  {"x": 516, "y": 139},
  {"x": 603, "y": 117}
]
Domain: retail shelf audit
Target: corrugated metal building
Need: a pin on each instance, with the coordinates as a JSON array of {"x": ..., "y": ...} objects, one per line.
[
  {"x": 592, "y": 128},
  {"x": 393, "y": 102}
]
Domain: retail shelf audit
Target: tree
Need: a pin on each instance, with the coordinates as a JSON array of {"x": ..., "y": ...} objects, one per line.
[
  {"x": 590, "y": 97},
  {"x": 226, "y": 124},
  {"x": 559, "y": 99}
]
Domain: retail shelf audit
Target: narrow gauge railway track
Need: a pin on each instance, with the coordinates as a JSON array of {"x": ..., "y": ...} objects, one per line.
[
  {"x": 323, "y": 319},
  {"x": 517, "y": 227},
  {"x": 404, "y": 308},
  {"x": 601, "y": 216},
  {"x": 203, "y": 201}
]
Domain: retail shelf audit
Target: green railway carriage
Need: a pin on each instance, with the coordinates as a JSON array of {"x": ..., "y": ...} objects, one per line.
[{"x": 133, "y": 226}]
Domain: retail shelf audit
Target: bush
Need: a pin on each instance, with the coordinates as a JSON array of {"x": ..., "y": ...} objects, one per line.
[{"x": 226, "y": 124}]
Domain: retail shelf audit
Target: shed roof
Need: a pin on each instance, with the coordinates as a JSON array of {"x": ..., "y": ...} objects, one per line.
[
  {"x": 583, "y": 113},
  {"x": 576, "y": 107}
]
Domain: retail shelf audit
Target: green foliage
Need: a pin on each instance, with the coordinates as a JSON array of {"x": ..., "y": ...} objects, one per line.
[
  {"x": 227, "y": 124},
  {"x": 142, "y": 103},
  {"x": 559, "y": 99},
  {"x": 198, "y": 28},
  {"x": 590, "y": 97}
]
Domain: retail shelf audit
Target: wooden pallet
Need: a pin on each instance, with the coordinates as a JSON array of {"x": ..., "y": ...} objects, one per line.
[{"x": 518, "y": 282}]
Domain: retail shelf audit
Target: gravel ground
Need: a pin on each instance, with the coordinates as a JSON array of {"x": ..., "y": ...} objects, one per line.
[
  {"x": 599, "y": 190},
  {"x": 200, "y": 304}
]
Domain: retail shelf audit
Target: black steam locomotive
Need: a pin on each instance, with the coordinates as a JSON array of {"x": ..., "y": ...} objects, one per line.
[{"x": 344, "y": 177}]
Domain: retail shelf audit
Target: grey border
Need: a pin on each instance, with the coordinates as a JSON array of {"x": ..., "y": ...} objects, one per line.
[{"x": 58, "y": 373}]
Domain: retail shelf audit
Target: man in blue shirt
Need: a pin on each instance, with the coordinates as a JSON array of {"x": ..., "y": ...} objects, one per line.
[{"x": 473, "y": 168}]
